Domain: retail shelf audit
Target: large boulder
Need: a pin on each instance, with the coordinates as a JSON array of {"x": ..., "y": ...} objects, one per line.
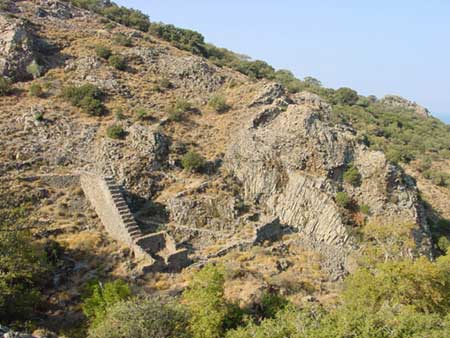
[{"x": 16, "y": 48}]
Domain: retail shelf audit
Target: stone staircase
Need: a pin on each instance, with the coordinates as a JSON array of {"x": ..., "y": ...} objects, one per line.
[{"x": 158, "y": 249}]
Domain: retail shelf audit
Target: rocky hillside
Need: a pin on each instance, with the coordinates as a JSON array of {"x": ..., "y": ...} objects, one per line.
[{"x": 273, "y": 182}]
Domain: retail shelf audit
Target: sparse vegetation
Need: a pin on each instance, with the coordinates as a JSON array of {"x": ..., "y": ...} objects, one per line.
[
  {"x": 141, "y": 113},
  {"x": 192, "y": 161},
  {"x": 87, "y": 97},
  {"x": 179, "y": 109},
  {"x": 219, "y": 104},
  {"x": 116, "y": 132}
]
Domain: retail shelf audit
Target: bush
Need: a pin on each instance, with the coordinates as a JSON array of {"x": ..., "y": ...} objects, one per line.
[
  {"x": 34, "y": 69},
  {"x": 87, "y": 97},
  {"x": 210, "y": 314},
  {"x": 103, "y": 52},
  {"x": 36, "y": 90},
  {"x": 141, "y": 113},
  {"x": 123, "y": 40},
  {"x": 343, "y": 200},
  {"x": 162, "y": 85},
  {"x": 115, "y": 132},
  {"x": 192, "y": 161},
  {"x": 5, "y": 86},
  {"x": 346, "y": 96},
  {"x": 118, "y": 62},
  {"x": 352, "y": 176},
  {"x": 100, "y": 297},
  {"x": 143, "y": 318},
  {"x": 219, "y": 104},
  {"x": 365, "y": 209},
  {"x": 177, "y": 111}
]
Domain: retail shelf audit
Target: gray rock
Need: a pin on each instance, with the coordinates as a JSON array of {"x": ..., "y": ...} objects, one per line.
[{"x": 16, "y": 48}]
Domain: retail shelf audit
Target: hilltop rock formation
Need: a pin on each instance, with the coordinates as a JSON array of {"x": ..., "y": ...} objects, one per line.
[
  {"x": 290, "y": 161},
  {"x": 398, "y": 101}
]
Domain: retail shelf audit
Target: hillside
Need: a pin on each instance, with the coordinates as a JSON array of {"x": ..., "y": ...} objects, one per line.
[{"x": 134, "y": 151}]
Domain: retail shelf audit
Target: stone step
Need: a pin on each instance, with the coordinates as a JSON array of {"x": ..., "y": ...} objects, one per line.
[
  {"x": 134, "y": 228},
  {"x": 123, "y": 208},
  {"x": 120, "y": 204},
  {"x": 127, "y": 218},
  {"x": 129, "y": 222},
  {"x": 117, "y": 195}
]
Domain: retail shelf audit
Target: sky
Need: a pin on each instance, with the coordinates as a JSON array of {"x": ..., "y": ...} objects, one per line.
[{"x": 375, "y": 47}]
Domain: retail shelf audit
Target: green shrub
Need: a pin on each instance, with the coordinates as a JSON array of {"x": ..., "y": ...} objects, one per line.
[
  {"x": 103, "y": 52},
  {"x": 39, "y": 116},
  {"x": 100, "y": 297},
  {"x": 365, "y": 209},
  {"x": 343, "y": 200},
  {"x": 115, "y": 132},
  {"x": 346, "y": 96},
  {"x": 118, "y": 62},
  {"x": 192, "y": 161},
  {"x": 162, "y": 85},
  {"x": 36, "y": 90},
  {"x": 352, "y": 176},
  {"x": 210, "y": 314},
  {"x": 178, "y": 110},
  {"x": 143, "y": 318},
  {"x": 141, "y": 113},
  {"x": 219, "y": 104},
  {"x": 123, "y": 40},
  {"x": 443, "y": 244},
  {"x": 87, "y": 97},
  {"x": 34, "y": 69},
  {"x": 5, "y": 86}
]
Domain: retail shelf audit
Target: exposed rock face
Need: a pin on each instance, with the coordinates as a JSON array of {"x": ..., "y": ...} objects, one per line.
[
  {"x": 291, "y": 165},
  {"x": 190, "y": 72},
  {"x": 16, "y": 48},
  {"x": 144, "y": 151},
  {"x": 398, "y": 101}
]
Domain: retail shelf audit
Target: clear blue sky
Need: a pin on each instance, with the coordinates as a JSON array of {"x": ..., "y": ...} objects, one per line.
[{"x": 376, "y": 47}]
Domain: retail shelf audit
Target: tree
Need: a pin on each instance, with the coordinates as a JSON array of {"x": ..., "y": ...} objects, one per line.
[
  {"x": 210, "y": 313},
  {"x": 101, "y": 297},
  {"x": 22, "y": 265},
  {"x": 143, "y": 318},
  {"x": 346, "y": 96},
  {"x": 312, "y": 82}
]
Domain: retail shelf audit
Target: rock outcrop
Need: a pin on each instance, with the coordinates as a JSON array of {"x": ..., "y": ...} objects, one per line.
[
  {"x": 16, "y": 48},
  {"x": 400, "y": 102},
  {"x": 290, "y": 161}
]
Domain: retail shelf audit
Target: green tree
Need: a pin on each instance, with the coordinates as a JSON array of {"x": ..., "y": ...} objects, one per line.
[
  {"x": 210, "y": 313},
  {"x": 22, "y": 265},
  {"x": 100, "y": 297},
  {"x": 346, "y": 96},
  {"x": 143, "y": 318}
]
